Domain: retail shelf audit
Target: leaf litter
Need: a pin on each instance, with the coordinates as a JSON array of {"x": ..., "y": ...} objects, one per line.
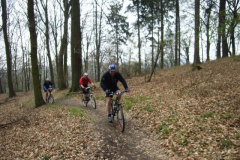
[{"x": 189, "y": 114}]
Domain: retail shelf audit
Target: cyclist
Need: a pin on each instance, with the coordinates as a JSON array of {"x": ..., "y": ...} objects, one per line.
[
  {"x": 109, "y": 82},
  {"x": 83, "y": 81},
  {"x": 47, "y": 84}
]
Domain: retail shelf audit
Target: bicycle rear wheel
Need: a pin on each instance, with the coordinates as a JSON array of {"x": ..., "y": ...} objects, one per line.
[
  {"x": 120, "y": 118},
  {"x": 51, "y": 98},
  {"x": 93, "y": 101}
]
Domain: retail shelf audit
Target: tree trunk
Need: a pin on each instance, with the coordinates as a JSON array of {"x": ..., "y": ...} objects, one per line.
[
  {"x": 176, "y": 34},
  {"x": 139, "y": 38},
  {"x": 208, "y": 37},
  {"x": 63, "y": 49},
  {"x": 98, "y": 41},
  {"x": 76, "y": 50},
  {"x": 162, "y": 36},
  {"x": 7, "y": 48},
  {"x": 223, "y": 27},
  {"x": 48, "y": 44},
  {"x": 35, "y": 72},
  {"x": 197, "y": 25}
]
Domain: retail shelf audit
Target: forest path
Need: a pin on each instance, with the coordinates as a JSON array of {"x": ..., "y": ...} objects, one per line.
[{"x": 134, "y": 143}]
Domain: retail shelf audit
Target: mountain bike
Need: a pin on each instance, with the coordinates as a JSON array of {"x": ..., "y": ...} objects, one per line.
[
  {"x": 117, "y": 110},
  {"x": 89, "y": 97},
  {"x": 50, "y": 98}
]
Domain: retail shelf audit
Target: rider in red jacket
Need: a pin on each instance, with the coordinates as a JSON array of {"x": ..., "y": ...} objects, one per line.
[{"x": 83, "y": 81}]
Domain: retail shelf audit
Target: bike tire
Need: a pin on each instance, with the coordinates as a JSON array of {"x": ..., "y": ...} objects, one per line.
[
  {"x": 93, "y": 101},
  {"x": 113, "y": 112},
  {"x": 51, "y": 99},
  {"x": 120, "y": 118}
]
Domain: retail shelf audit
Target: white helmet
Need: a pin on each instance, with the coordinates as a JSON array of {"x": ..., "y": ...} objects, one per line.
[{"x": 85, "y": 75}]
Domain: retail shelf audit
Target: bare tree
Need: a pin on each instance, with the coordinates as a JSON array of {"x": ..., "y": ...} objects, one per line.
[
  {"x": 76, "y": 51},
  {"x": 234, "y": 8},
  {"x": 34, "y": 60},
  {"x": 63, "y": 49},
  {"x": 7, "y": 48},
  {"x": 197, "y": 25},
  {"x": 46, "y": 22}
]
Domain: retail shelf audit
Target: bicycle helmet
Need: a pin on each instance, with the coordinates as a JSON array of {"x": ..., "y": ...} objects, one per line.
[
  {"x": 85, "y": 75},
  {"x": 112, "y": 67}
]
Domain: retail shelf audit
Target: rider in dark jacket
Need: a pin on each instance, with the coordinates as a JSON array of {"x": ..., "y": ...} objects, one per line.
[
  {"x": 109, "y": 83},
  {"x": 47, "y": 84}
]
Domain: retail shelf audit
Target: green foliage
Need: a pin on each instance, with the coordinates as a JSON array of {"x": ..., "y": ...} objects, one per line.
[
  {"x": 45, "y": 156},
  {"x": 227, "y": 116},
  {"x": 236, "y": 58},
  {"x": 185, "y": 141},
  {"x": 131, "y": 99},
  {"x": 207, "y": 115},
  {"x": 128, "y": 106},
  {"x": 238, "y": 136},
  {"x": 77, "y": 112},
  {"x": 97, "y": 98},
  {"x": 166, "y": 131},
  {"x": 225, "y": 143},
  {"x": 103, "y": 98},
  {"x": 149, "y": 108},
  {"x": 160, "y": 128}
]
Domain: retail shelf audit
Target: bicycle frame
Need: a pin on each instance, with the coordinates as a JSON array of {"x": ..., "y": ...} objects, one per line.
[
  {"x": 50, "y": 97},
  {"x": 90, "y": 98}
]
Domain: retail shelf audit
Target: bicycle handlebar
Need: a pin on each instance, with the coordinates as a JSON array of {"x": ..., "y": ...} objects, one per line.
[
  {"x": 117, "y": 93},
  {"x": 90, "y": 87}
]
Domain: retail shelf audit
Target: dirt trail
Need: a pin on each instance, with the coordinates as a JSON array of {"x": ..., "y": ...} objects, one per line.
[{"x": 134, "y": 143}]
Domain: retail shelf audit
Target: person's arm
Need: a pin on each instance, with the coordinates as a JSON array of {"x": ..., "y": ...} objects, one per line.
[
  {"x": 122, "y": 80},
  {"x": 81, "y": 83},
  {"x": 44, "y": 86},
  {"x": 103, "y": 81},
  {"x": 90, "y": 81}
]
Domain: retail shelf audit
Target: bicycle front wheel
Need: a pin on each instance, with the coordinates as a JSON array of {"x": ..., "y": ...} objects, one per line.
[
  {"x": 51, "y": 98},
  {"x": 93, "y": 101},
  {"x": 120, "y": 118}
]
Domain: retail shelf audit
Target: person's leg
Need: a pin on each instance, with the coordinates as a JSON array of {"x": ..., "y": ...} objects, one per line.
[
  {"x": 84, "y": 93},
  {"x": 108, "y": 103}
]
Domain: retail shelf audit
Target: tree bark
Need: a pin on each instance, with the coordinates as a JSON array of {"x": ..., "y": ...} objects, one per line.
[
  {"x": 63, "y": 49},
  {"x": 176, "y": 34},
  {"x": 76, "y": 48},
  {"x": 7, "y": 48},
  {"x": 223, "y": 27},
  {"x": 197, "y": 25},
  {"x": 139, "y": 39},
  {"x": 35, "y": 72}
]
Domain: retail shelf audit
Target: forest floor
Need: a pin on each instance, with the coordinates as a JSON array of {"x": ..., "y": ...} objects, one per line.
[{"x": 181, "y": 114}]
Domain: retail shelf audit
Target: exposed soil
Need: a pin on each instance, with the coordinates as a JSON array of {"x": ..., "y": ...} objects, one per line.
[{"x": 133, "y": 143}]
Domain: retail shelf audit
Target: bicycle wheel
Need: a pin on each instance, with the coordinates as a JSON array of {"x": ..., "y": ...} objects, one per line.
[
  {"x": 51, "y": 98},
  {"x": 120, "y": 118},
  {"x": 93, "y": 101}
]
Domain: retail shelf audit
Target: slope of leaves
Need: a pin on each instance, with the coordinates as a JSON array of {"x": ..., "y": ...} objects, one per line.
[
  {"x": 47, "y": 132},
  {"x": 190, "y": 114},
  {"x": 193, "y": 114}
]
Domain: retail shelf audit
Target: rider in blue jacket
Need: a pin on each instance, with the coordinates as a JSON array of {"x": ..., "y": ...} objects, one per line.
[{"x": 47, "y": 84}]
